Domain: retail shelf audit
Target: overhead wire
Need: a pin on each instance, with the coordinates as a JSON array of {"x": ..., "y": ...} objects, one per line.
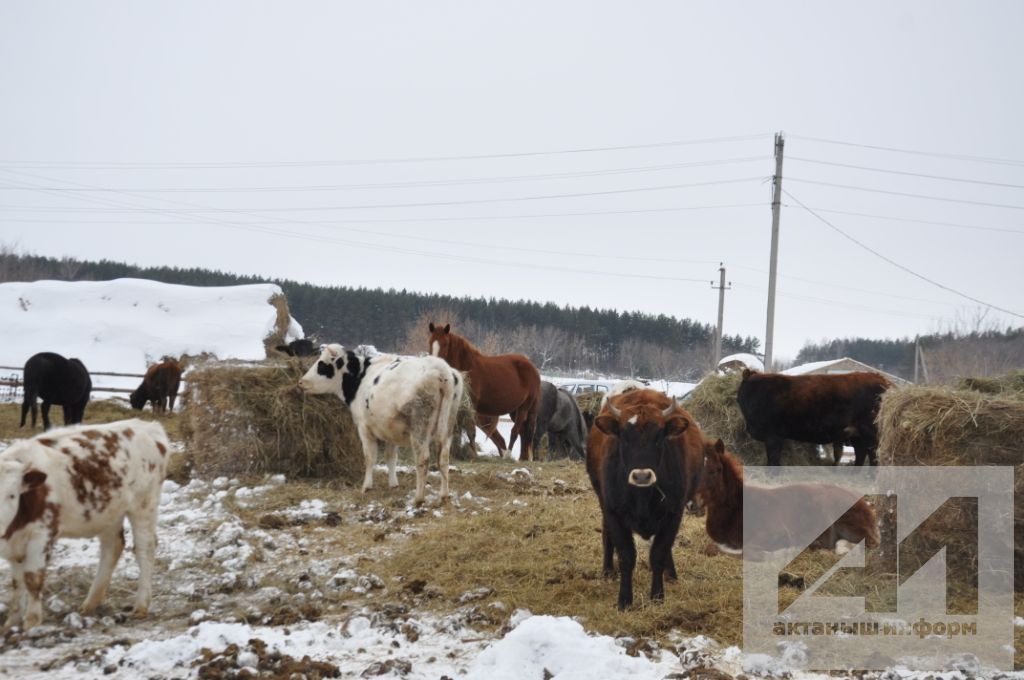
[
  {"x": 922, "y": 175},
  {"x": 135, "y": 165},
  {"x": 897, "y": 264},
  {"x": 933, "y": 154},
  {"x": 426, "y": 204},
  {"x": 905, "y": 194},
  {"x": 417, "y": 183}
]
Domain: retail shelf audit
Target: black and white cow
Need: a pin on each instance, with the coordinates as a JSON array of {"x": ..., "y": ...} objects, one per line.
[{"x": 397, "y": 400}]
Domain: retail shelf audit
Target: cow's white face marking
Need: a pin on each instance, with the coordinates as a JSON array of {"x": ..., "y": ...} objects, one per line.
[
  {"x": 632, "y": 420},
  {"x": 843, "y": 546},
  {"x": 729, "y": 550},
  {"x": 315, "y": 382},
  {"x": 643, "y": 478},
  {"x": 435, "y": 348}
]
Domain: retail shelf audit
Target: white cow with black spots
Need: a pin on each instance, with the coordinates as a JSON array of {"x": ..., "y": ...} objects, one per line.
[
  {"x": 397, "y": 400},
  {"x": 79, "y": 482}
]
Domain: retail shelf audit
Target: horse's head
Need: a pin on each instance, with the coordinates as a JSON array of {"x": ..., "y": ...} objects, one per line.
[{"x": 440, "y": 340}]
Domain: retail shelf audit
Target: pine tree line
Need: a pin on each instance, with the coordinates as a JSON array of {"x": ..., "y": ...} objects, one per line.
[{"x": 562, "y": 338}]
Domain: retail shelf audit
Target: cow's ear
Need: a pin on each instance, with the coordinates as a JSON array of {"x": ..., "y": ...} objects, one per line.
[
  {"x": 676, "y": 425},
  {"x": 32, "y": 479},
  {"x": 447, "y": 328},
  {"x": 608, "y": 424},
  {"x": 431, "y": 326},
  {"x": 747, "y": 373}
]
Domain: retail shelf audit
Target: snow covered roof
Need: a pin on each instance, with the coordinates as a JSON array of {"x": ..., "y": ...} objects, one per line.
[
  {"x": 835, "y": 366},
  {"x": 123, "y": 324},
  {"x": 742, "y": 360}
]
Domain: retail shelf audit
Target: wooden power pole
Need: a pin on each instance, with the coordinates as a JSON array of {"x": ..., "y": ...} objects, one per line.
[
  {"x": 721, "y": 288},
  {"x": 780, "y": 142}
]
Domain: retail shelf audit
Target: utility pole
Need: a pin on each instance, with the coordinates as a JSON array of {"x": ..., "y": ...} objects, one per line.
[
  {"x": 780, "y": 142},
  {"x": 721, "y": 288},
  {"x": 916, "y": 357}
]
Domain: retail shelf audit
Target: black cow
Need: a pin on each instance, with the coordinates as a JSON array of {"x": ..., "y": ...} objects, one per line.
[
  {"x": 55, "y": 380},
  {"x": 820, "y": 409},
  {"x": 299, "y": 348},
  {"x": 559, "y": 416},
  {"x": 644, "y": 459}
]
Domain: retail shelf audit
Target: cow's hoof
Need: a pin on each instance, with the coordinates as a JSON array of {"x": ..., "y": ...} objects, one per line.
[{"x": 140, "y": 612}]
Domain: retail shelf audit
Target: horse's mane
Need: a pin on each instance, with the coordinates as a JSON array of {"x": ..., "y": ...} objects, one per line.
[{"x": 732, "y": 468}]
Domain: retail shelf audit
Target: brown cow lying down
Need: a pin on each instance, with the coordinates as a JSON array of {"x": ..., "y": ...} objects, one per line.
[
  {"x": 721, "y": 491},
  {"x": 80, "y": 482}
]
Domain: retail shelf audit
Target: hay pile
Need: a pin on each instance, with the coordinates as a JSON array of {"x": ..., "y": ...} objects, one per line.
[
  {"x": 713, "y": 403},
  {"x": 944, "y": 426},
  {"x": 1009, "y": 385},
  {"x": 590, "y": 402},
  {"x": 464, "y": 441},
  {"x": 250, "y": 419}
]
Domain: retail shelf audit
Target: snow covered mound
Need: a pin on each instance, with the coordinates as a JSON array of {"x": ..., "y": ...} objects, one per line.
[{"x": 122, "y": 325}]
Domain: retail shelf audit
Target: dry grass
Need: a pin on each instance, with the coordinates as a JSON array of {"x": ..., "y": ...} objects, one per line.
[
  {"x": 718, "y": 413},
  {"x": 1009, "y": 385},
  {"x": 97, "y": 412}
]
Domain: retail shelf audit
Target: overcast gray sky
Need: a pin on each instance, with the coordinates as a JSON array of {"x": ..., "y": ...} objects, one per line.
[{"x": 489, "y": 125}]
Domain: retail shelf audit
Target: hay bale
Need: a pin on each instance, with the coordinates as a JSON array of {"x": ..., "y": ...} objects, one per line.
[
  {"x": 944, "y": 426},
  {"x": 713, "y": 403},
  {"x": 464, "y": 441},
  {"x": 590, "y": 402},
  {"x": 251, "y": 419},
  {"x": 1010, "y": 385}
]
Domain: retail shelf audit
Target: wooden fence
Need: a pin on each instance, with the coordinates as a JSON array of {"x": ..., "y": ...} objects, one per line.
[{"x": 13, "y": 384}]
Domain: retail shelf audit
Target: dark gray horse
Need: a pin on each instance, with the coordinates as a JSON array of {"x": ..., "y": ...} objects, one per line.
[{"x": 559, "y": 417}]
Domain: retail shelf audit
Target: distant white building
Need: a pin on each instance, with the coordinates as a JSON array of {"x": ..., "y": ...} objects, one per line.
[{"x": 836, "y": 366}]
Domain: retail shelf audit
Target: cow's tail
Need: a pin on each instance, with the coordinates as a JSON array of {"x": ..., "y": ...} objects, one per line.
[{"x": 447, "y": 408}]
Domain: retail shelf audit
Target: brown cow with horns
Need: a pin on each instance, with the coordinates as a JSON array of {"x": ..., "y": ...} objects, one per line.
[{"x": 644, "y": 458}]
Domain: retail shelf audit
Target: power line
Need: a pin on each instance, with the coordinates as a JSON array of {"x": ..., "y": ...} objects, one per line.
[
  {"x": 415, "y": 183},
  {"x": 422, "y": 204},
  {"x": 461, "y": 218},
  {"x": 898, "y": 265},
  {"x": 840, "y": 286},
  {"x": 831, "y": 303},
  {"x": 930, "y": 222},
  {"x": 380, "y": 247},
  {"x": 905, "y": 194},
  {"x": 909, "y": 174},
  {"x": 133, "y": 165},
  {"x": 934, "y": 154}
]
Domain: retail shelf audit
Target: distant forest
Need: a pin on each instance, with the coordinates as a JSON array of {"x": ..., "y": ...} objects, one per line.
[{"x": 576, "y": 340}]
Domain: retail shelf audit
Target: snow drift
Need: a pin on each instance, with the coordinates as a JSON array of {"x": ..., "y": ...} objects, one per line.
[{"x": 124, "y": 324}]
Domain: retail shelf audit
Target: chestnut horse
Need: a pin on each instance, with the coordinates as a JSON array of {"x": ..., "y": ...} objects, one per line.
[
  {"x": 507, "y": 383},
  {"x": 721, "y": 491}
]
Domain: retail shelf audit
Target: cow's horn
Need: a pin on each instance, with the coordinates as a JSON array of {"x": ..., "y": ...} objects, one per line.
[
  {"x": 668, "y": 411},
  {"x": 614, "y": 411}
]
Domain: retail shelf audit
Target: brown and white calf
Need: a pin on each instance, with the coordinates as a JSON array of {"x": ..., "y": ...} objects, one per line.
[
  {"x": 80, "y": 482},
  {"x": 397, "y": 400}
]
